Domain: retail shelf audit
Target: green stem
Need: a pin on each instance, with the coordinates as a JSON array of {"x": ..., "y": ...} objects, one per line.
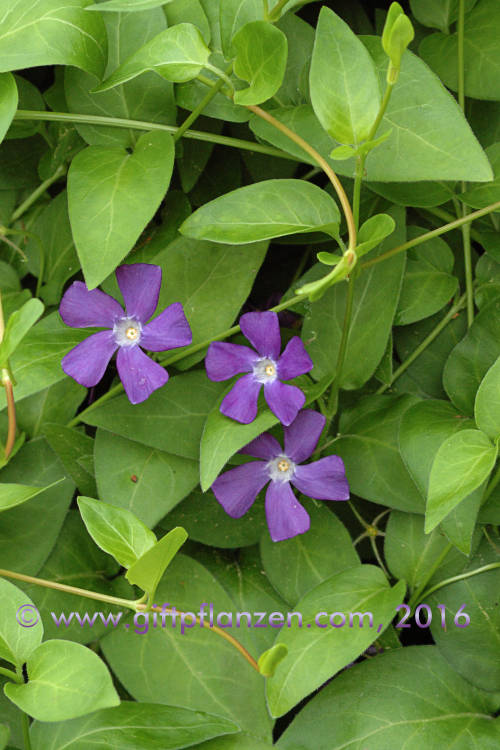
[
  {"x": 461, "y": 65},
  {"x": 35, "y": 195},
  {"x": 385, "y": 101},
  {"x": 358, "y": 515},
  {"x": 11, "y": 412},
  {"x": 199, "y": 109},
  {"x": 187, "y": 352},
  {"x": 434, "y": 233},
  {"x": 275, "y": 13},
  {"x": 378, "y": 557},
  {"x": 26, "y": 730},
  {"x": 118, "y": 122},
  {"x": 440, "y": 213},
  {"x": 416, "y": 596},
  {"x": 459, "y": 305},
  {"x": 356, "y": 194},
  {"x": 461, "y": 577},
  {"x": 10, "y": 674},
  {"x": 223, "y": 78}
]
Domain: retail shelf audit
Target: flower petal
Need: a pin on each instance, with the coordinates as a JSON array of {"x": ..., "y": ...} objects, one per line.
[
  {"x": 294, "y": 361},
  {"x": 140, "y": 285},
  {"x": 285, "y": 515},
  {"x": 237, "y": 489},
  {"x": 302, "y": 436},
  {"x": 139, "y": 374},
  {"x": 262, "y": 329},
  {"x": 225, "y": 360},
  {"x": 241, "y": 401},
  {"x": 285, "y": 401},
  {"x": 87, "y": 361},
  {"x": 265, "y": 446},
  {"x": 324, "y": 479},
  {"x": 167, "y": 331},
  {"x": 80, "y": 308}
]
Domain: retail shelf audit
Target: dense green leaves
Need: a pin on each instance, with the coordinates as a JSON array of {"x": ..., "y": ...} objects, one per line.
[
  {"x": 272, "y": 208},
  {"x": 261, "y": 52},
  {"x": 144, "y": 726},
  {"x": 177, "y": 54},
  {"x": 59, "y": 32},
  {"x": 347, "y": 100},
  {"x": 66, "y": 680},
  {"x": 112, "y": 195},
  {"x": 316, "y": 652}
]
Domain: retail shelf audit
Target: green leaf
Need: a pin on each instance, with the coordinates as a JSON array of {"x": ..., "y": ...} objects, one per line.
[
  {"x": 462, "y": 463},
  {"x": 472, "y": 651},
  {"x": 300, "y": 36},
  {"x": 17, "y": 642},
  {"x": 57, "y": 404},
  {"x": 480, "y": 196},
  {"x": 373, "y": 231},
  {"x": 139, "y": 725},
  {"x": 347, "y": 100},
  {"x": 264, "y": 210},
  {"x": 315, "y": 654},
  {"x": 411, "y": 554},
  {"x": 471, "y": 358},
  {"x": 188, "y": 11},
  {"x": 116, "y": 530},
  {"x": 177, "y": 54},
  {"x": 127, "y": 6},
  {"x": 18, "y": 325},
  {"x": 439, "y": 14},
  {"x": 58, "y": 32},
  {"x": 418, "y": 194},
  {"x": 434, "y": 706},
  {"x": 375, "y": 300},
  {"x": 149, "y": 98},
  {"x": 481, "y": 53},
  {"x": 8, "y": 102},
  {"x": 487, "y": 404},
  {"x": 428, "y": 283},
  {"x": 144, "y": 480},
  {"x": 172, "y": 419},
  {"x": 4, "y": 735},
  {"x": 397, "y": 34},
  {"x": 75, "y": 449},
  {"x": 223, "y": 437},
  {"x": 142, "y": 663},
  {"x": 296, "y": 565},
  {"x": 261, "y": 54},
  {"x": 16, "y": 494},
  {"x": 112, "y": 195},
  {"x": 147, "y": 571},
  {"x": 66, "y": 680},
  {"x": 371, "y": 429},
  {"x": 233, "y": 15},
  {"x": 269, "y": 660}
]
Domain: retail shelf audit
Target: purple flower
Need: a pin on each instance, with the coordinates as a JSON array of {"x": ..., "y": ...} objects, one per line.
[
  {"x": 265, "y": 367},
  {"x": 128, "y": 332},
  {"x": 325, "y": 479}
]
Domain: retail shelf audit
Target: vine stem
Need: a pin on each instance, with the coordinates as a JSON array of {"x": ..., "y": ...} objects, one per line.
[
  {"x": 10, "y": 674},
  {"x": 276, "y": 11},
  {"x": 418, "y": 592},
  {"x": 132, "y": 604},
  {"x": 461, "y": 577},
  {"x": 117, "y": 122},
  {"x": 11, "y": 412},
  {"x": 433, "y": 233},
  {"x": 26, "y": 730},
  {"x": 198, "y": 110},
  {"x": 187, "y": 352},
  {"x": 337, "y": 185},
  {"x": 40, "y": 190},
  {"x": 459, "y": 305}
]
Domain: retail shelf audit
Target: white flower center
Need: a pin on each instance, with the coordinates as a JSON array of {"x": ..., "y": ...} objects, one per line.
[
  {"x": 265, "y": 370},
  {"x": 127, "y": 331},
  {"x": 281, "y": 468}
]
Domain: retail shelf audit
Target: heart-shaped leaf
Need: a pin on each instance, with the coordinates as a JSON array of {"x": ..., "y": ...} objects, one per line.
[
  {"x": 147, "y": 571},
  {"x": 261, "y": 53}
]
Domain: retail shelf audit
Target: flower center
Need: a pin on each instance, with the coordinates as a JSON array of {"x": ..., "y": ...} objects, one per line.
[
  {"x": 127, "y": 331},
  {"x": 281, "y": 468},
  {"x": 265, "y": 371}
]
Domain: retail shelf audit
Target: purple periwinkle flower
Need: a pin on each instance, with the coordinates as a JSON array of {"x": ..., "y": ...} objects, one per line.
[
  {"x": 265, "y": 367},
  {"x": 325, "y": 479},
  {"x": 127, "y": 331}
]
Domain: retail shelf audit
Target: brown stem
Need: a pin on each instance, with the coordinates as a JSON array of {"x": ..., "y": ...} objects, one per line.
[
  {"x": 337, "y": 185},
  {"x": 11, "y": 411}
]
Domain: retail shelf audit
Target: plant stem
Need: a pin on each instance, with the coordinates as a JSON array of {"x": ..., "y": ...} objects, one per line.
[
  {"x": 377, "y": 556},
  {"x": 276, "y": 11},
  {"x": 461, "y": 577},
  {"x": 128, "y": 603},
  {"x": 459, "y": 305},
  {"x": 417, "y": 593},
  {"x": 35, "y": 195},
  {"x": 461, "y": 65},
  {"x": 199, "y": 109},
  {"x": 337, "y": 185},
  {"x": 440, "y": 213},
  {"x": 433, "y": 233},
  {"x": 356, "y": 194},
  {"x": 11, "y": 412},
  {"x": 26, "y": 730},
  {"x": 187, "y": 352},
  {"x": 118, "y": 122},
  {"x": 10, "y": 674}
]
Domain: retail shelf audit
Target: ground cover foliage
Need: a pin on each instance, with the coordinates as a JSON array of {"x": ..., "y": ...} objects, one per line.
[{"x": 219, "y": 168}]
